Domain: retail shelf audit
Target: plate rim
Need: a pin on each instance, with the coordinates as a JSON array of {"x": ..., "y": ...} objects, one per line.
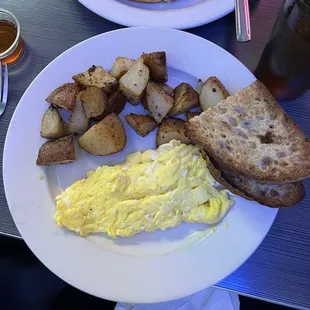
[
  {"x": 5, "y": 159},
  {"x": 176, "y": 19}
]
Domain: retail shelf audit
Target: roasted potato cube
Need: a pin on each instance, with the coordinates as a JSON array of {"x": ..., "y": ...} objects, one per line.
[
  {"x": 60, "y": 151},
  {"x": 171, "y": 129},
  {"x": 190, "y": 114},
  {"x": 158, "y": 102},
  {"x": 52, "y": 125},
  {"x": 157, "y": 64},
  {"x": 115, "y": 104},
  {"x": 134, "y": 82},
  {"x": 144, "y": 102},
  {"x": 96, "y": 76},
  {"x": 121, "y": 66},
  {"x": 141, "y": 124},
  {"x": 212, "y": 92},
  {"x": 64, "y": 96},
  {"x": 78, "y": 122},
  {"x": 185, "y": 98},
  {"x": 94, "y": 101},
  {"x": 104, "y": 138},
  {"x": 166, "y": 88}
]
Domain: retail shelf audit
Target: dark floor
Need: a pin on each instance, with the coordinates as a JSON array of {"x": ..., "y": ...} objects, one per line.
[{"x": 27, "y": 284}]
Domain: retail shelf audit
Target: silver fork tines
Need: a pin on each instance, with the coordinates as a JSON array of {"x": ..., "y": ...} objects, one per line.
[{"x": 4, "y": 86}]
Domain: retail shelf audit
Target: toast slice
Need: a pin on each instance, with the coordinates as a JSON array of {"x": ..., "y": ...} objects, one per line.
[
  {"x": 217, "y": 175},
  {"x": 250, "y": 134},
  {"x": 272, "y": 195}
]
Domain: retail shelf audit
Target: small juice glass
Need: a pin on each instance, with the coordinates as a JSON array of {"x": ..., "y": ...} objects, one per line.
[{"x": 11, "y": 43}]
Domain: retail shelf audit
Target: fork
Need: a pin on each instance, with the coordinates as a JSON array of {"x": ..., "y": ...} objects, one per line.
[{"x": 4, "y": 86}]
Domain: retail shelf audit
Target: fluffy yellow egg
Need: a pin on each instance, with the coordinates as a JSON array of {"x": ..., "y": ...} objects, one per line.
[{"x": 156, "y": 189}]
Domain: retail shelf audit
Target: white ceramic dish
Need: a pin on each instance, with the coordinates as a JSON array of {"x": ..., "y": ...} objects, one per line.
[
  {"x": 181, "y": 14},
  {"x": 148, "y": 267}
]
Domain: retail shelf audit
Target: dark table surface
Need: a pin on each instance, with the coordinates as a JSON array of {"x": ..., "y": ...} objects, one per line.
[{"x": 279, "y": 270}]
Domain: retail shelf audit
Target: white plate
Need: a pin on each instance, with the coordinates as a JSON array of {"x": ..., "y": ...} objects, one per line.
[
  {"x": 148, "y": 267},
  {"x": 181, "y": 14}
]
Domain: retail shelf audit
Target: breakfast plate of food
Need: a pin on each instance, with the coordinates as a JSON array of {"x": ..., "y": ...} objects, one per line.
[
  {"x": 179, "y": 14},
  {"x": 145, "y": 174}
]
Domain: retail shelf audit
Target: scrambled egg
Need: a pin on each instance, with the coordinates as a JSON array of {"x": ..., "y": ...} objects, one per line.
[{"x": 156, "y": 189}]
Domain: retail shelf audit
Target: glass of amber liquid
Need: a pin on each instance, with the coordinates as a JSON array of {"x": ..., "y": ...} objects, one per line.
[{"x": 11, "y": 44}]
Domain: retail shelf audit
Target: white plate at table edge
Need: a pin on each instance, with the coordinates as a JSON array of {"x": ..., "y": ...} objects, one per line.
[
  {"x": 151, "y": 267},
  {"x": 183, "y": 18}
]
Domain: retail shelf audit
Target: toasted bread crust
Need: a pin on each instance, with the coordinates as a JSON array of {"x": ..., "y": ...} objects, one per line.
[
  {"x": 217, "y": 175},
  {"x": 272, "y": 195},
  {"x": 250, "y": 134}
]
